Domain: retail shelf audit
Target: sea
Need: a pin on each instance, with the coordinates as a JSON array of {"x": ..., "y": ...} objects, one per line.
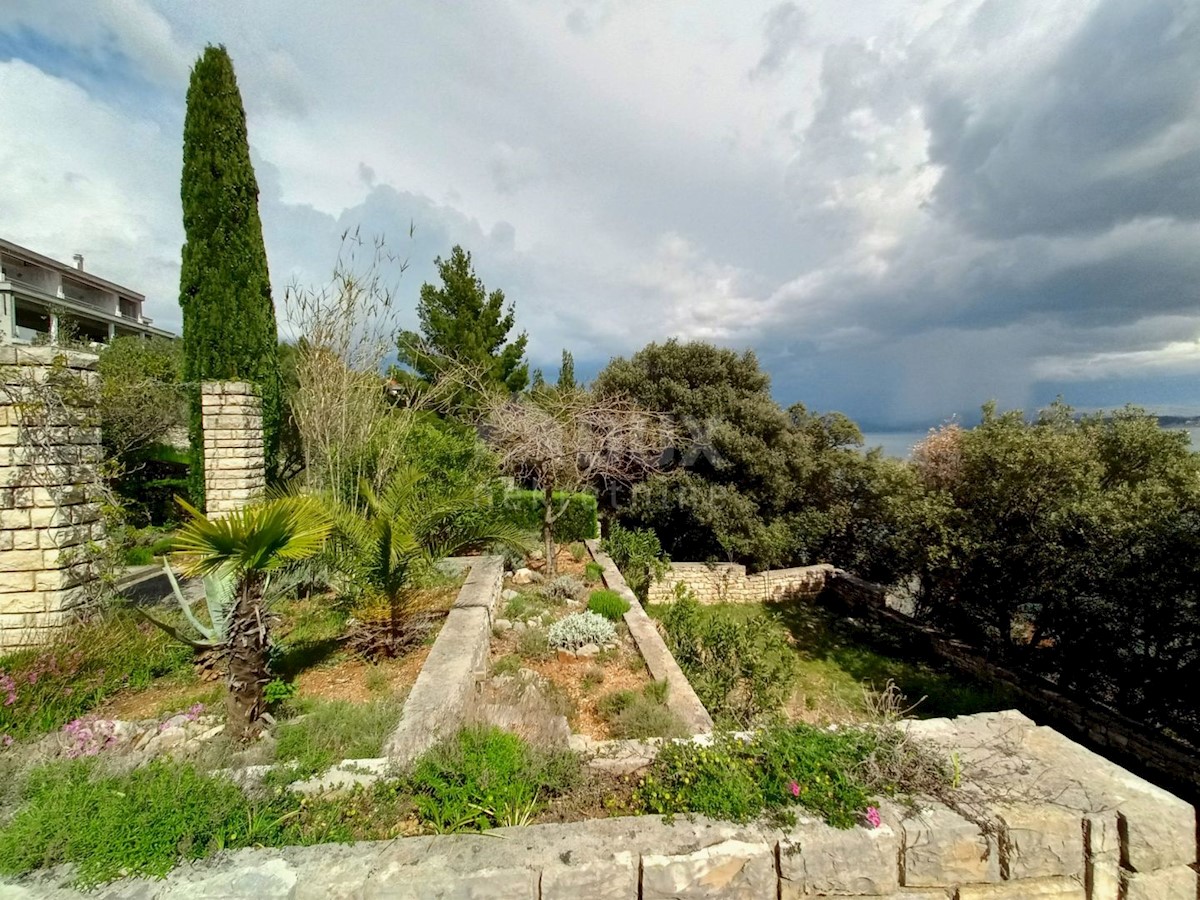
[{"x": 900, "y": 443}]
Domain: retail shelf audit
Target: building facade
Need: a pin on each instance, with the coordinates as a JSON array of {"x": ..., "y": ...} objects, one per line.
[{"x": 40, "y": 296}]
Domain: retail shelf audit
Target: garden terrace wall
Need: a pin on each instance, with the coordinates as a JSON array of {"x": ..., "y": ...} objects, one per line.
[
  {"x": 1041, "y": 817},
  {"x": 681, "y": 697},
  {"x": 49, "y": 490},
  {"x": 729, "y": 583},
  {"x": 457, "y": 662}
]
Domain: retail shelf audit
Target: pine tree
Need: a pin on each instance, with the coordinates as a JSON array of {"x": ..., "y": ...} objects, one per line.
[
  {"x": 566, "y": 372},
  {"x": 463, "y": 323},
  {"x": 229, "y": 331}
]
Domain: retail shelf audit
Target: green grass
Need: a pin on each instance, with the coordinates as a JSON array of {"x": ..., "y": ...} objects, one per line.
[
  {"x": 333, "y": 730},
  {"x": 309, "y": 633},
  {"x": 835, "y": 660},
  {"x": 836, "y": 663},
  {"x": 90, "y": 663},
  {"x": 141, "y": 823}
]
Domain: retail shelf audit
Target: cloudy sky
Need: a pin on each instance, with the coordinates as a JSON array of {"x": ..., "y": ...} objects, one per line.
[{"x": 906, "y": 207}]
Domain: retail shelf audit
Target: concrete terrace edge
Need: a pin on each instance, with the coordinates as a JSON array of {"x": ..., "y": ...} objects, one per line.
[
  {"x": 438, "y": 701},
  {"x": 681, "y": 697}
]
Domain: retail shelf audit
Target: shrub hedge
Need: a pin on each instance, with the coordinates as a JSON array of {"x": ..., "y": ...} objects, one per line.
[{"x": 576, "y": 521}]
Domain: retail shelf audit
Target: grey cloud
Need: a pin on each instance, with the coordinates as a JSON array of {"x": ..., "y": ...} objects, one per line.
[{"x": 784, "y": 28}]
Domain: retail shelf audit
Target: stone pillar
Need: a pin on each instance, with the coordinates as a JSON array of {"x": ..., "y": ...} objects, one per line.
[
  {"x": 234, "y": 460},
  {"x": 49, "y": 489}
]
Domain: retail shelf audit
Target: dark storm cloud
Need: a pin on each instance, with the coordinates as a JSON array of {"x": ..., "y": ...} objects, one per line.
[{"x": 1085, "y": 144}]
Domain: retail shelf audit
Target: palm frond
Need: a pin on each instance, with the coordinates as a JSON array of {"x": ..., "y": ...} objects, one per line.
[{"x": 256, "y": 538}]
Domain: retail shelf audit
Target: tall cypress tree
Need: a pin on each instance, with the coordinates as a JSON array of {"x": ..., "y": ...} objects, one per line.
[{"x": 229, "y": 331}]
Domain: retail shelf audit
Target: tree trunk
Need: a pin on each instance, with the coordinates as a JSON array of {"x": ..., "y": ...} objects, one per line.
[
  {"x": 247, "y": 648},
  {"x": 548, "y": 529}
]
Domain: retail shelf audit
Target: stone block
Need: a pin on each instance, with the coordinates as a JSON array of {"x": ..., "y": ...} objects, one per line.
[
  {"x": 1061, "y": 888},
  {"x": 21, "y": 561},
  {"x": 607, "y": 879},
  {"x": 13, "y": 582},
  {"x": 1157, "y": 833},
  {"x": 1042, "y": 840},
  {"x": 1103, "y": 845},
  {"x": 1175, "y": 883},
  {"x": 941, "y": 847},
  {"x": 730, "y": 870},
  {"x": 24, "y": 539},
  {"x": 14, "y": 518},
  {"x": 429, "y": 883},
  {"x": 815, "y": 858},
  {"x": 23, "y": 603}
]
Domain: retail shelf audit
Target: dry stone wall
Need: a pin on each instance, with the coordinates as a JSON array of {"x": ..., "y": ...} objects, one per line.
[
  {"x": 234, "y": 458},
  {"x": 49, "y": 489},
  {"x": 729, "y": 583}
]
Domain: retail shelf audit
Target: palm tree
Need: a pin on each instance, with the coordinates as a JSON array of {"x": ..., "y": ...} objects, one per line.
[
  {"x": 412, "y": 523},
  {"x": 250, "y": 546}
]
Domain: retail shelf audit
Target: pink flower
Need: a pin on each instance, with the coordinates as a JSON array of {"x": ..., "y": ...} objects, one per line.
[
  {"x": 873, "y": 817},
  {"x": 794, "y": 788},
  {"x": 6, "y": 741}
]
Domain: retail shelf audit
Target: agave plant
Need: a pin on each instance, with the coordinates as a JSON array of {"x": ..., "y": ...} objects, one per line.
[
  {"x": 210, "y": 645},
  {"x": 248, "y": 547},
  {"x": 389, "y": 534}
]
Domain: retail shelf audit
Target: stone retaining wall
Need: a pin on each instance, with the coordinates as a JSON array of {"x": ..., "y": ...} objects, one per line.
[
  {"x": 729, "y": 583},
  {"x": 681, "y": 697},
  {"x": 234, "y": 457},
  {"x": 1037, "y": 817},
  {"x": 457, "y": 662},
  {"x": 49, "y": 489}
]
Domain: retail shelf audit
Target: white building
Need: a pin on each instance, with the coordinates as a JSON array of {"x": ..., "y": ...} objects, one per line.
[{"x": 37, "y": 293}]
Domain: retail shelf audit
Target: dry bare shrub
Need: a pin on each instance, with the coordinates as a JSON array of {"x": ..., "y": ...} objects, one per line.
[
  {"x": 349, "y": 427},
  {"x": 571, "y": 441},
  {"x": 938, "y": 458}
]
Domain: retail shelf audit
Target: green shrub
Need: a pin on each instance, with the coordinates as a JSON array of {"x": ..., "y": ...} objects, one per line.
[
  {"x": 564, "y": 587},
  {"x": 533, "y": 644},
  {"x": 575, "y": 522},
  {"x": 609, "y": 604},
  {"x": 742, "y": 668},
  {"x": 578, "y": 629},
  {"x": 638, "y": 555},
  {"x": 333, "y": 730},
  {"x": 640, "y": 714},
  {"x": 90, "y": 663},
  {"x": 578, "y": 552},
  {"x": 487, "y": 778},
  {"x": 593, "y": 573},
  {"x": 825, "y": 772},
  {"x": 141, "y": 823}
]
